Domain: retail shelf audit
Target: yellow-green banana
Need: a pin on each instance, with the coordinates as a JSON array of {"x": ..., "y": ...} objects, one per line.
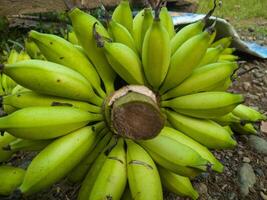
[
  {"x": 5, "y": 139},
  {"x": 227, "y": 58},
  {"x": 46, "y": 122},
  {"x": 228, "y": 51},
  {"x": 246, "y": 129},
  {"x": 57, "y": 160},
  {"x": 52, "y": 79},
  {"x": 177, "y": 184},
  {"x": 227, "y": 119},
  {"x": 83, "y": 25},
  {"x": 202, "y": 80},
  {"x": 11, "y": 178},
  {"x": 71, "y": 37},
  {"x": 166, "y": 19},
  {"x": 123, "y": 15},
  {"x": 143, "y": 176},
  {"x": 204, "y": 131},
  {"x": 27, "y": 145},
  {"x": 33, "y": 50},
  {"x": 211, "y": 56},
  {"x": 205, "y": 104},
  {"x": 247, "y": 113},
  {"x": 225, "y": 42},
  {"x": 59, "y": 50}
]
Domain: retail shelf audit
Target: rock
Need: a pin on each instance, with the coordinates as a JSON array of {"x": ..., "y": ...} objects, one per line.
[
  {"x": 263, "y": 196},
  {"x": 264, "y": 127},
  {"x": 265, "y": 159},
  {"x": 202, "y": 188},
  {"x": 257, "y": 143},
  {"x": 246, "y": 86},
  {"x": 246, "y": 178},
  {"x": 246, "y": 160}
]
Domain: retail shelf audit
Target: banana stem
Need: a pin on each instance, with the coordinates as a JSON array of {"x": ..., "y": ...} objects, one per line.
[
  {"x": 96, "y": 100},
  {"x": 209, "y": 14}
]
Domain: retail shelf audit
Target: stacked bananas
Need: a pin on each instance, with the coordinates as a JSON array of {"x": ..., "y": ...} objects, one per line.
[{"x": 54, "y": 106}]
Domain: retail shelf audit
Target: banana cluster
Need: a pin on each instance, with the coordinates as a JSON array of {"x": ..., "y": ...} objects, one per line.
[{"x": 54, "y": 104}]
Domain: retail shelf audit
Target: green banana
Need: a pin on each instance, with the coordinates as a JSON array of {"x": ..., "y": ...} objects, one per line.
[
  {"x": 156, "y": 53},
  {"x": 71, "y": 37},
  {"x": 18, "y": 89},
  {"x": 230, "y": 58},
  {"x": 23, "y": 56},
  {"x": 9, "y": 109},
  {"x": 57, "y": 160},
  {"x": 211, "y": 56},
  {"x": 59, "y": 50},
  {"x": 31, "y": 99},
  {"x": 228, "y": 51},
  {"x": 177, "y": 184},
  {"x": 33, "y": 50},
  {"x": 36, "y": 123},
  {"x": 52, "y": 79},
  {"x": 225, "y": 42},
  {"x": 125, "y": 62},
  {"x": 203, "y": 151},
  {"x": 246, "y": 129},
  {"x": 143, "y": 176},
  {"x": 224, "y": 86},
  {"x": 204, "y": 131},
  {"x": 205, "y": 104},
  {"x": 2, "y": 92},
  {"x": 83, "y": 25},
  {"x": 141, "y": 23},
  {"x": 185, "y": 59},
  {"x": 27, "y": 145},
  {"x": 11, "y": 178},
  {"x": 123, "y": 15},
  {"x": 248, "y": 114},
  {"x": 80, "y": 171},
  {"x": 120, "y": 34},
  {"x": 202, "y": 80},
  {"x": 228, "y": 128},
  {"x": 227, "y": 119},
  {"x": 166, "y": 19},
  {"x": 5, "y": 139}
]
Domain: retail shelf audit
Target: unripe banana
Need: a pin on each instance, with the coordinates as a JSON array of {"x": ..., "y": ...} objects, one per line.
[
  {"x": 2, "y": 92},
  {"x": 156, "y": 53},
  {"x": 228, "y": 128},
  {"x": 224, "y": 86},
  {"x": 52, "y": 79},
  {"x": 227, "y": 119},
  {"x": 120, "y": 34},
  {"x": 80, "y": 171},
  {"x": 57, "y": 160},
  {"x": 141, "y": 23},
  {"x": 33, "y": 50},
  {"x": 125, "y": 62},
  {"x": 206, "y": 132},
  {"x": 59, "y": 50},
  {"x": 71, "y": 37},
  {"x": 230, "y": 58},
  {"x": 27, "y": 145},
  {"x": 177, "y": 184},
  {"x": 203, "y": 79},
  {"x": 36, "y": 123},
  {"x": 185, "y": 59},
  {"x": 228, "y": 51},
  {"x": 203, "y": 151},
  {"x": 9, "y": 109},
  {"x": 185, "y": 34},
  {"x": 13, "y": 56},
  {"x": 32, "y": 99},
  {"x": 166, "y": 19},
  {"x": 247, "y": 113},
  {"x": 211, "y": 56},
  {"x": 225, "y": 42},
  {"x": 123, "y": 15},
  {"x": 83, "y": 25},
  {"x": 205, "y": 104},
  {"x": 11, "y": 178},
  {"x": 246, "y": 129},
  {"x": 23, "y": 56},
  {"x": 143, "y": 176},
  {"x": 5, "y": 139},
  {"x": 18, "y": 89}
]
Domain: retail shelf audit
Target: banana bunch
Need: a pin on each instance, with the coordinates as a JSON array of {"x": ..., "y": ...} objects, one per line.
[{"x": 61, "y": 103}]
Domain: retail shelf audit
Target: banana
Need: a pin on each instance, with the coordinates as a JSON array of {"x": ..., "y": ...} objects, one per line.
[
  {"x": 247, "y": 113},
  {"x": 123, "y": 15},
  {"x": 156, "y": 53},
  {"x": 228, "y": 51},
  {"x": 246, "y": 129},
  {"x": 185, "y": 59},
  {"x": 27, "y": 145},
  {"x": 211, "y": 56},
  {"x": 2, "y": 92},
  {"x": 83, "y": 24},
  {"x": 31, "y": 99},
  {"x": 202, "y": 79},
  {"x": 59, "y": 50},
  {"x": 205, "y": 105},
  {"x": 80, "y": 171},
  {"x": 141, "y": 23},
  {"x": 225, "y": 42},
  {"x": 71, "y": 37},
  {"x": 177, "y": 184},
  {"x": 23, "y": 56},
  {"x": 120, "y": 34},
  {"x": 143, "y": 176},
  {"x": 203, "y": 151},
  {"x": 230, "y": 58},
  {"x": 11, "y": 178},
  {"x": 33, "y": 50},
  {"x": 36, "y": 123},
  {"x": 185, "y": 34},
  {"x": 224, "y": 86},
  {"x": 228, "y": 128},
  {"x": 227, "y": 119},
  {"x": 18, "y": 89},
  {"x": 93, "y": 172},
  {"x": 52, "y": 79},
  {"x": 125, "y": 62},
  {"x": 8, "y": 109},
  {"x": 206, "y": 132},
  {"x": 57, "y": 160},
  {"x": 166, "y": 19},
  {"x": 5, "y": 139}
]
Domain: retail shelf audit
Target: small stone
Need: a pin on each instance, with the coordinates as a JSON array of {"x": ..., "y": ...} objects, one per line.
[
  {"x": 246, "y": 178},
  {"x": 246, "y": 85},
  {"x": 259, "y": 144},
  {"x": 263, "y": 196},
  {"x": 264, "y": 127},
  {"x": 259, "y": 172},
  {"x": 202, "y": 188},
  {"x": 246, "y": 160},
  {"x": 265, "y": 159}
]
